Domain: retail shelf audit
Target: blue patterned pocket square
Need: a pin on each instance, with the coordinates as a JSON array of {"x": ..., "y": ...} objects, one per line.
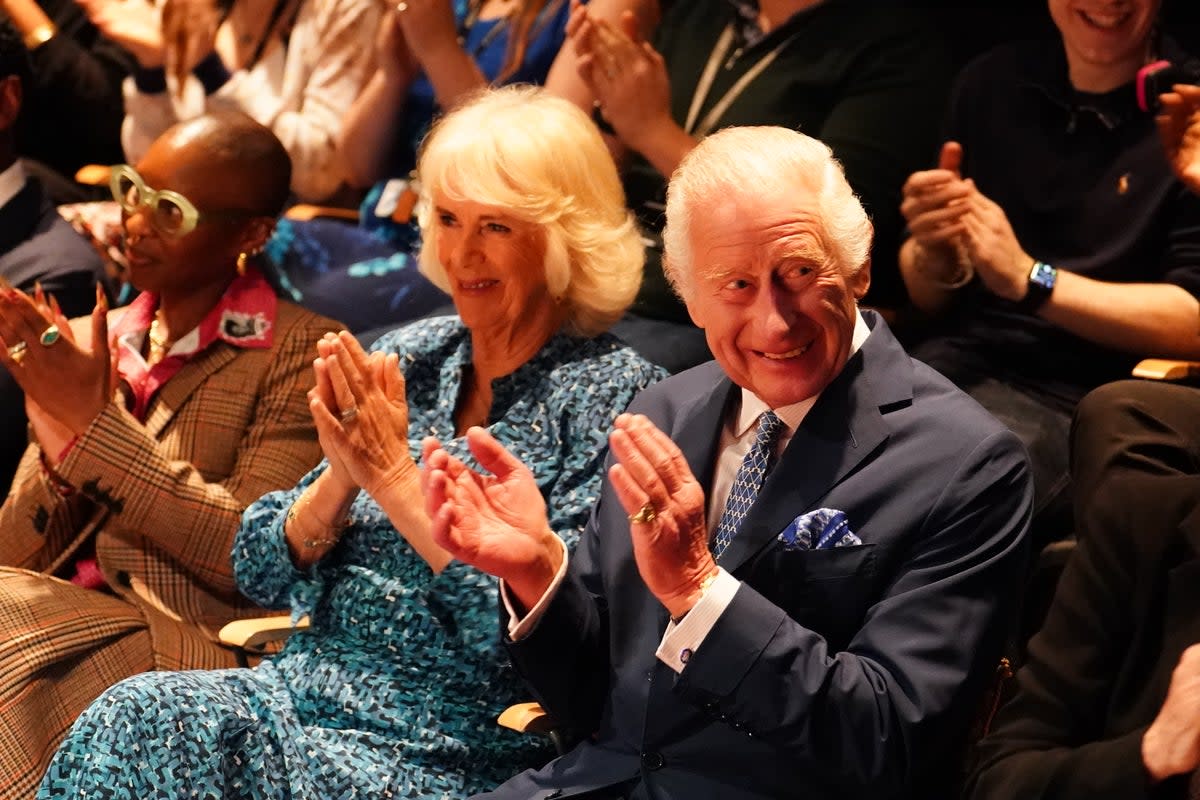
[{"x": 822, "y": 529}]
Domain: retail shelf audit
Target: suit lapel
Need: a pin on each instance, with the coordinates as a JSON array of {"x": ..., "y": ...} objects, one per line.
[
  {"x": 845, "y": 426},
  {"x": 175, "y": 392},
  {"x": 699, "y": 431}
]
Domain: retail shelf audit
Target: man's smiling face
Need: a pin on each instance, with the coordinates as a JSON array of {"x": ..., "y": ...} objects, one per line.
[{"x": 777, "y": 309}]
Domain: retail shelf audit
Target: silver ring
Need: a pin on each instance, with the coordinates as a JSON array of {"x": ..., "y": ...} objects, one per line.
[
  {"x": 348, "y": 415},
  {"x": 17, "y": 351},
  {"x": 401, "y": 7},
  {"x": 49, "y": 336}
]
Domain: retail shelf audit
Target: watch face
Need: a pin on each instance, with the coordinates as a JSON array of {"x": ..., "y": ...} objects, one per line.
[{"x": 1043, "y": 275}]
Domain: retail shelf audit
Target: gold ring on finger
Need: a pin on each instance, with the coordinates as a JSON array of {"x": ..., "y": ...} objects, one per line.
[
  {"x": 18, "y": 351},
  {"x": 646, "y": 513},
  {"x": 348, "y": 415}
]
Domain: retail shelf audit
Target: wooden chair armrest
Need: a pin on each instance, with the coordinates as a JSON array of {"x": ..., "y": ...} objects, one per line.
[
  {"x": 93, "y": 174},
  {"x": 303, "y": 212},
  {"x": 255, "y": 634},
  {"x": 526, "y": 718},
  {"x": 532, "y": 718},
  {"x": 1166, "y": 369}
]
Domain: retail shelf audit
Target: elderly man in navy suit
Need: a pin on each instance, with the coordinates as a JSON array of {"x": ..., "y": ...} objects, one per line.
[{"x": 799, "y": 574}]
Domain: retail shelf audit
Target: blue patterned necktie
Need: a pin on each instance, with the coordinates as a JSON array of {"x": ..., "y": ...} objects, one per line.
[{"x": 748, "y": 481}]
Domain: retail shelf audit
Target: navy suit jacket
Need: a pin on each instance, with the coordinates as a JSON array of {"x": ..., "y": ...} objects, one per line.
[
  {"x": 834, "y": 673},
  {"x": 38, "y": 245}
]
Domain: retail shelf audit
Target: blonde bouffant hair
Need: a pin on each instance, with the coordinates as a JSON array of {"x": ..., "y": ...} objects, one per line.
[{"x": 540, "y": 159}]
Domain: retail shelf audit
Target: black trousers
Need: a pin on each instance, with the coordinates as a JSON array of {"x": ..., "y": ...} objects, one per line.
[{"x": 1131, "y": 430}]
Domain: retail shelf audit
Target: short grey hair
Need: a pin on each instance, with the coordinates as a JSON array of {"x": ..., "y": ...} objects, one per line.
[
  {"x": 541, "y": 159},
  {"x": 757, "y": 160}
]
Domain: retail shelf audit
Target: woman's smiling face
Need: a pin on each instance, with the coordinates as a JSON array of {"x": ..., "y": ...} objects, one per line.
[{"x": 495, "y": 262}]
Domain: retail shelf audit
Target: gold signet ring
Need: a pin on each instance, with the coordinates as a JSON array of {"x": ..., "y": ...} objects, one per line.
[{"x": 644, "y": 514}]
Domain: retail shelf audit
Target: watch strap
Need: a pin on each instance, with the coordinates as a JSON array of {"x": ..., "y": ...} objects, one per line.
[{"x": 1040, "y": 285}]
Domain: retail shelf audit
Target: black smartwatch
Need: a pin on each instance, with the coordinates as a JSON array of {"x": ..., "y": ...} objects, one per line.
[{"x": 1042, "y": 279}]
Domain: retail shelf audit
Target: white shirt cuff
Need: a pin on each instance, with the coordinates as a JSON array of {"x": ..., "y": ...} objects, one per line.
[
  {"x": 681, "y": 640},
  {"x": 519, "y": 628}
]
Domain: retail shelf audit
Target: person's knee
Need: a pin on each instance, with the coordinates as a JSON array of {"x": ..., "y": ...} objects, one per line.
[
  {"x": 1124, "y": 410},
  {"x": 1113, "y": 403},
  {"x": 1134, "y": 428}
]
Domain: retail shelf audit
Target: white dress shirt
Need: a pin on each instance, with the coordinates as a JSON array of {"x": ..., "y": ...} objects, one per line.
[{"x": 12, "y": 180}]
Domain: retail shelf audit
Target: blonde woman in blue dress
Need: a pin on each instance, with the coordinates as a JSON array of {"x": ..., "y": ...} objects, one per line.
[{"x": 394, "y": 689}]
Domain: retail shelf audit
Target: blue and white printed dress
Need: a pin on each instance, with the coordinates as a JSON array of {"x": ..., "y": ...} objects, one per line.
[{"x": 394, "y": 690}]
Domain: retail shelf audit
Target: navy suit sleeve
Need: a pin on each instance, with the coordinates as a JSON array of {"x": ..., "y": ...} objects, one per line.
[
  {"x": 876, "y": 711},
  {"x": 565, "y": 662}
]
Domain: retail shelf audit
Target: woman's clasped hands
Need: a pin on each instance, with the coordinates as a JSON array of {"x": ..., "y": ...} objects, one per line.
[{"x": 359, "y": 407}]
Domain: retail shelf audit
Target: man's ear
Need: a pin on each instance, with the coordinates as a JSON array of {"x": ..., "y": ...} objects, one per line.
[
  {"x": 860, "y": 281},
  {"x": 10, "y": 102},
  {"x": 683, "y": 288}
]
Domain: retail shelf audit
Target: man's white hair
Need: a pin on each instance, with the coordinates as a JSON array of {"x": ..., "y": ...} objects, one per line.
[{"x": 769, "y": 161}]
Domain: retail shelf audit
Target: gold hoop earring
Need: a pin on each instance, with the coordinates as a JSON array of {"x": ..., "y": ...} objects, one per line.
[{"x": 243, "y": 257}]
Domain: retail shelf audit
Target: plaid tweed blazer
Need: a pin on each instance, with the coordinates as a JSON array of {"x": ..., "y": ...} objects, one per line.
[{"x": 164, "y": 499}]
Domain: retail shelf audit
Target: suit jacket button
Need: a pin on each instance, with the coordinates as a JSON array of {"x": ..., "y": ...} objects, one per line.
[{"x": 653, "y": 760}]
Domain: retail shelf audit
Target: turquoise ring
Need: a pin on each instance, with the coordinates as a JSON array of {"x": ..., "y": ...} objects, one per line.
[{"x": 50, "y": 336}]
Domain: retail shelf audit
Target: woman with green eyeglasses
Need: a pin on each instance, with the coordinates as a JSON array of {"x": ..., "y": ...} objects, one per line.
[{"x": 152, "y": 428}]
